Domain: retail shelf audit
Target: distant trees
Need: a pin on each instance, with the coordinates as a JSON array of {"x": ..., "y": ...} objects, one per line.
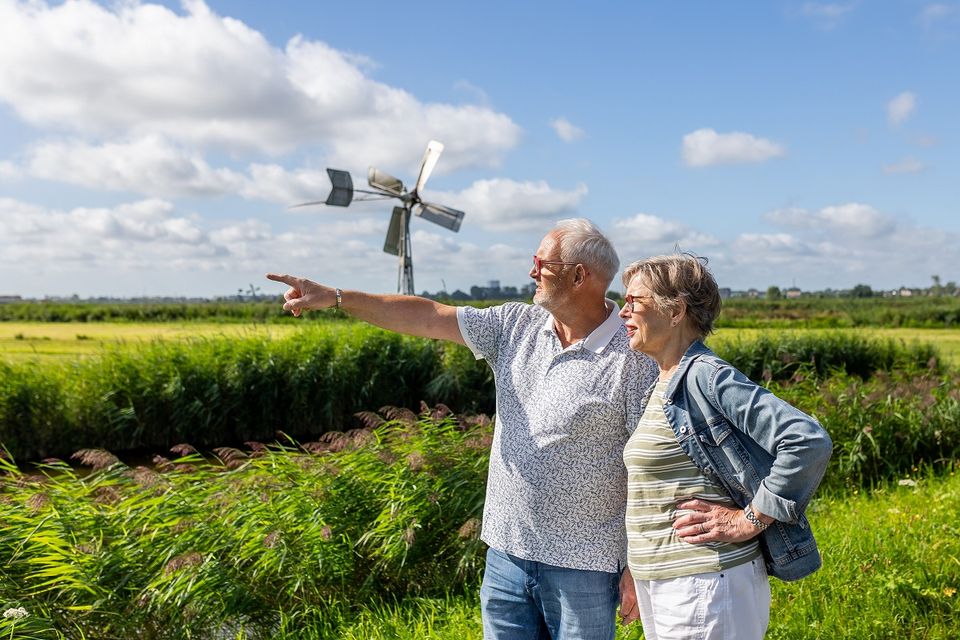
[
  {"x": 861, "y": 291},
  {"x": 774, "y": 293}
]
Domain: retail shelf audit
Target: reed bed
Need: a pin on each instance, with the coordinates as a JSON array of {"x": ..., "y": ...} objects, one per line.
[
  {"x": 373, "y": 534},
  {"x": 222, "y": 390},
  {"x": 250, "y": 541}
]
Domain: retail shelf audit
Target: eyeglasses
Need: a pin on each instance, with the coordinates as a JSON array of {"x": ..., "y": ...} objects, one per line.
[
  {"x": 630, "y": 303},
  {"x": 538, "y": 264}
]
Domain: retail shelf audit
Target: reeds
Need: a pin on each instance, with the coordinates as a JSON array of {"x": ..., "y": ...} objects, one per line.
[
  {"x": 225, "y": 391},
  {"x": 200, "y": 545}
]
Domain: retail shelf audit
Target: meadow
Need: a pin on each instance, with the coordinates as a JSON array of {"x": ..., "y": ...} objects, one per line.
[
  {"x": 40, "y": 341},
  {"x": 308, "y": 479}
]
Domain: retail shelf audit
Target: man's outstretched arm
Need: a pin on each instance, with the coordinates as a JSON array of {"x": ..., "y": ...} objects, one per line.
[{"x": 404, "y": 314}]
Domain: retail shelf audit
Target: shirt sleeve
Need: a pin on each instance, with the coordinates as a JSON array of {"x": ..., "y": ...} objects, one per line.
[{"x": 482, "y": 330}]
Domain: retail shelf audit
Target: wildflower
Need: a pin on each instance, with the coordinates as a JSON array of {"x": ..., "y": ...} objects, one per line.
[
  {"x": 326, "y": 532},
  {"x": 907, "y": 482},
  {"x": 949, "y": 591},
  {"x": 16, "y": 614}
]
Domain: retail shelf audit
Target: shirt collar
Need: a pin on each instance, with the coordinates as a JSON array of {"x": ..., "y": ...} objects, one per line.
[{"x": 600, "y": 337}]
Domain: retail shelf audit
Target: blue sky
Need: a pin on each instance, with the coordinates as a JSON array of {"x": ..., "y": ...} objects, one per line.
[{"x": 154, "y": 149}]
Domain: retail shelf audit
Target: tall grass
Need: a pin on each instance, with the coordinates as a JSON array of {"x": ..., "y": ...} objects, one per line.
[
  {"x": 373, "y": 534},
  {"x": 219, "y": 390},
  {"x": 832, "y": 313},
  {"x": 216, "y": 391},
  {"x": 251, "y": 541}
]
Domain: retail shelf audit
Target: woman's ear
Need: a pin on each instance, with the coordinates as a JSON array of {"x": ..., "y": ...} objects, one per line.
[{"x": 678, "y": 313}]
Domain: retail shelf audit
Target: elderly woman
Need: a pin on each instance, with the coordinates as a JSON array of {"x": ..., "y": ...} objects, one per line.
[{"x": 720, "y": 470}]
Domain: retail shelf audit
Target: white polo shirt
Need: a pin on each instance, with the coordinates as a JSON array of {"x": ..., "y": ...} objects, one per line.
[{"x": 556, "y": 486}]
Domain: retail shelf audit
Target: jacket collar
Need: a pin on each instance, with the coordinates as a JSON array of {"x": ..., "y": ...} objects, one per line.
[{"x": 693, "y": 352}]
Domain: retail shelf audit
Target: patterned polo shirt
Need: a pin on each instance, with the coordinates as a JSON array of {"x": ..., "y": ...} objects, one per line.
[{"x": 557, "y": 486}]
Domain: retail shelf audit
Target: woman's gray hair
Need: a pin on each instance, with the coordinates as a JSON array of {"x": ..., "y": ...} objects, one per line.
[
  {"x": 581, "y": 241},
  {"x": 681, "y": 277}
]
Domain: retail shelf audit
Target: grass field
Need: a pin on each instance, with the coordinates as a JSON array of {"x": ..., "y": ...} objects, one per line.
[{"x": 51, "y": 340}]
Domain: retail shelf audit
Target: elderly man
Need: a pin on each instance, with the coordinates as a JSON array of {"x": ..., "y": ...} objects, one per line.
[{"x": 569, "y": 392}]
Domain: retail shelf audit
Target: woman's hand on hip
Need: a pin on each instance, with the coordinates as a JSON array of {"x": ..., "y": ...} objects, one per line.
[{"x": 711, "y": 522}]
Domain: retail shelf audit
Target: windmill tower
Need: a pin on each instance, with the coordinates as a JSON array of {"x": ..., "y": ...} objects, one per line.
[{"x": 385, "y": 186}]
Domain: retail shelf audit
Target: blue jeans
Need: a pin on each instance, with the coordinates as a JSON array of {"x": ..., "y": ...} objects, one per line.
[{"x": 526, "y": 600}]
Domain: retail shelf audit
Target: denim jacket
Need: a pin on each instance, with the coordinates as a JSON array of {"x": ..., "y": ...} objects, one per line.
[{"x": 760, "y": 448}]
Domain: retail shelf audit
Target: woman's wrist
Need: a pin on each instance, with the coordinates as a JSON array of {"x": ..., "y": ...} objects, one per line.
[{"x": 758, "y": 520}]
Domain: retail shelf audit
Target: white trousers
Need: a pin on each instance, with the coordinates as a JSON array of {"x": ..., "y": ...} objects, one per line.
[{"x": 724, "y": 605}]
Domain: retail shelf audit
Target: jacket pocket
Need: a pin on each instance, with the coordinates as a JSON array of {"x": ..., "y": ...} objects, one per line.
[{"x": 731, "y": 463}]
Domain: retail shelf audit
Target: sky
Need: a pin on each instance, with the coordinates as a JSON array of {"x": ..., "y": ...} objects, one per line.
[{"x": 156, "y": 149}]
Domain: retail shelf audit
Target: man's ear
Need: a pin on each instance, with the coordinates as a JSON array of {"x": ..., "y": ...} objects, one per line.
[{"x": 580, "y": 275}]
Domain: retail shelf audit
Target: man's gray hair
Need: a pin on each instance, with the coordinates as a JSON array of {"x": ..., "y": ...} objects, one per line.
[{"x": 581, "y": 241}]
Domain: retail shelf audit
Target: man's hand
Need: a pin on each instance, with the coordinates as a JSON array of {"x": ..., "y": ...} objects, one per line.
[
  {"x": 304, "y": 294},
  {"x": 629, "y": 611}
]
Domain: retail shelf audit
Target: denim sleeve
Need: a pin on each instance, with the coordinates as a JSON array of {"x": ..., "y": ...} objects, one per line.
[{"x": 799, "y": 445}]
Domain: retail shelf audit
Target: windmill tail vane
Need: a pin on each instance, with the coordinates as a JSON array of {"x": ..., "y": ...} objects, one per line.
[{"x": 383, "y": 185}]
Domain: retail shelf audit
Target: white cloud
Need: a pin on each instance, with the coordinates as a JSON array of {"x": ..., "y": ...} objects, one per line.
[
  {"x": 148, "y": 165},
  {"x": 199, "y": 79},
  {"x": 652, "y": 233},
  {"x": 826, "y": 15},
  {"x": 907, "y": 165},
  {"x": 706, "y": 147},
  {"x": 901, "y": 107},
  {"x": 502, "y": 204},
  {"x": 935, "y": 13},
  {"x": 852, "y": 220},
  {"x": 566, "y": 130},
  {"x": 9, "y": 171}
]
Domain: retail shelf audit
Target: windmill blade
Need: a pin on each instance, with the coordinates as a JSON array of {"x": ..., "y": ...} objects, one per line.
[
  {"x": 443, "y": 216},
  {"x": 430, "y": 157},
  {"x": 342, "y": 192},
  {"x": 392, "y": 243},
  {"x": 384, "y": 182},
  {"x": 308, "y": 204}
]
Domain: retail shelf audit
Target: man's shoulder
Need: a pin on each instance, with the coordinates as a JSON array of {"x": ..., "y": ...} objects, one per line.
[{"x": 509, "y": 312}]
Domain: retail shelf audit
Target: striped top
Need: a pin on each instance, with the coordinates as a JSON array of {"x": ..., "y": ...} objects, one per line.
[{"x": 660, "y": 475}]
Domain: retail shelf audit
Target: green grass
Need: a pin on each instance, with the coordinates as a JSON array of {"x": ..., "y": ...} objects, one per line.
[
  {"x": 371, "y": 537},
  {"x": 891, "y": 570},
  {"x": 947, "y": 341},
  {"x": 51, "y": 341},
  {"x": 56, "y": 341}
]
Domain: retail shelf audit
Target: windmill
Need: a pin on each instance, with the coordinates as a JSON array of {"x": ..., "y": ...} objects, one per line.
[{"x": 386, "y": 186}]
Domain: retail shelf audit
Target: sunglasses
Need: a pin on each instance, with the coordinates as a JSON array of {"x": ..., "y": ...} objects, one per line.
[
  {"x": 630, "y": 302},
  {"x": 538, "y": 264}
]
